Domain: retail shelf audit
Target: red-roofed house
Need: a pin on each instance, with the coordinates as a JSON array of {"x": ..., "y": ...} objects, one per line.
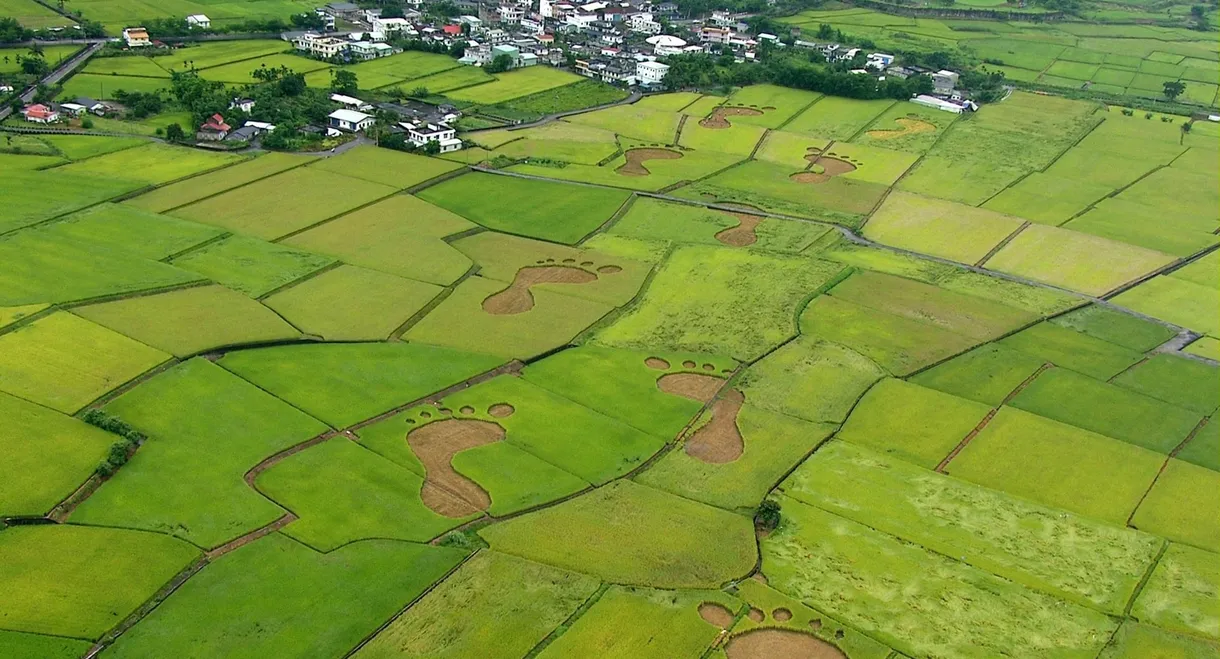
[
  {"x": 452, "y": 30},
  {"x": 40, "y": 114},
  {"x": 214, "y": 129}
]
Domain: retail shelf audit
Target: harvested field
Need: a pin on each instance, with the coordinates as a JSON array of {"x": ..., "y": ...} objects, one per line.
[
  {"x": 517, "y": 297},
  {"x": 637, "y": 157},
  {"x": 743, "y": 234},
  {"x": 716, "y": 614},
  {"x": 719, "y": 440},
  {"x": 435, "y": 444},
  {"x": 772, "y": 643},
  {"x": 907, "y": 127},
  {"x": 719, "y": 117}
]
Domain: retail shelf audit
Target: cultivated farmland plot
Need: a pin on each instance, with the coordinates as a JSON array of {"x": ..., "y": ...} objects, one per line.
[{"x": 761, "y": 374}]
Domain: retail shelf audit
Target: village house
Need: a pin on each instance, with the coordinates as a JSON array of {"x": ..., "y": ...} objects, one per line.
[
  {"x": 664, "y": 44},
  {"x": 651, "y": 74},
  {"x": 320, "y": 46},
  {"x": 40, "y": 114},
  {"x": 350, "y": 120},
  {"x": 367, "y": 50},
  {"x": 243, "y": 104},
  {"x": 388, "y": 26},
  {"x": 643, "y": 23},
  {"x": 72, "y": 109},
  {"x": 345, "y": 10},
  {"x": 136, "y": 37},
  {"x": 420, "y": 134},
  {"x": 198, "y": 20},
  {"x": 213, "y": 130}
]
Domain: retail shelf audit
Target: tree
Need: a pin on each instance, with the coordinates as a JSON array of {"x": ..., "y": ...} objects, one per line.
[
  {"x": 499, "y": 64},
  {"x": 344, "y": 81},
  {"x": 825, "y": 31},
  {"x": 1174, "y": 89},
  {"x": 35, "y": 66},
  {"x": 432, "y": 147},
  {"x": 174, "y": 133},
  {"x": 767, "y": 517},
  {"x": 419, "y": 92}
]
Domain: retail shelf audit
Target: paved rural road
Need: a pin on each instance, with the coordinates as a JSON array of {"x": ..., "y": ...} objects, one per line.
[
  {"x": 55, "y": 76},
  {"x": 861, "y": 240}
]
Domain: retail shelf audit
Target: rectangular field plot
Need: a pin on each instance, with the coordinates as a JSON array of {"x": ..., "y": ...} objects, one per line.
[
  {"x": 565, "y": 98},
  {"x": 639, "y": 167},
  {"x": 810, "y": 379},
  {"x": 1146, "y": 226},
  {"x": 192, "y": 320},
  {"x": 215, "y": 443},
  {"x": 439, "y": 83},
  {"x": 1058, "y": 465},
  {"x": 32, "y": 15},
  {"x": 515, "y": 84},
  {"x": 251, "y": 266},
  {"x": 739, "y": 139},
  {"x": 1107, "y": 409},
  {"x": 911, "y": 422},
  {"x": 510, "y": 604},
  {"x": 342, "y": 383},
  {"x": 1135, "y": 640},
  {"x": 103, "y": 87},
  {"x": 837, "y": 118},
  {"x": 1182, "y": 382},
  {"x": 1116, "y": 327},
  {"x": 538, "y": 209},
  {"x": 352, "y": 304},
  {"x": 896, "y": 343},
  {"x": 103, "y": 574},
  {"x": 65, "y": 363},
  {"x": 282, "y": 204},
  {"x": 274, "y": 583},
  {"x": 653, "y": 219},
  {"x": 956, "y": 518},
  {"x": 779, "y": 189},
  {"x": 113, "y": 226},
  {"x": 50, "y": 455},
  {"x": 1068, "y": 348},
  {"x": 1183, "y": 592},
  {"x": 987, "y": 374},
  {"x": 636, "y": 121},
  {"x": 185, "y": 192},
  {"x": 377, "y": 237},
  {"x": 79, "y": 147},
  {"x": 401, "y": 170},
  {"x": 205, "y": 55},
  {"x": 906, "y": 127},
  {"x": 1178, "y": 301},
  {"x": 154, "y": 163},
  {"x": 848, "y": 570},
  {"x": 1073, "y": 260},
  {"x": 243, "y": 72},
  {"x": 720, "y": 301},
  {"x": 776, "y": 104},
  {"x": 941, "y": 228},
  {"x": 145, "y": 67},
  {"x": 1181, "y": 504},
  {"x": 1048, "y": 198}
]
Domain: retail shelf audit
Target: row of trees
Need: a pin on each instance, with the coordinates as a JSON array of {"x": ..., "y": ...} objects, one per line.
[
  {"x": 788, "y": 69},
  {"x": 161, "y": 28},
  {"x": 11, "y": 31}
]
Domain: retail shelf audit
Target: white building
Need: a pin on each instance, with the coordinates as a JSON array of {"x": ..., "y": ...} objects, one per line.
[
  {"x": 651, "y": 73},
  {"x": 511, "y": 15},
  {"x": 350, "y": 101},
  {"x": 198, "y": 20},
  {"x": 391, "y": 25},
  {"x": 350, "y": 120},
  {"x": 136, "y": 37},
  {"x": 879, "y": 61},
  {"x": 644, "y": 23},
  {"x": 718, "y": 35},
  {"x": 421, "y": 133},
  {"x": 545, "y": 10},
  {"x": 320, "y": 46},
  {"x": 366, "y": 50},
  {"x": 664, "y": 44},
  {"x": 943, "y": 82}
]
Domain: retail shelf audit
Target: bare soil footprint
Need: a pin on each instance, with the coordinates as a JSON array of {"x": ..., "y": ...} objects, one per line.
[
  {"x": 517, "y": 298},
  {"x": 719, "y": 120},
  {"x": 637, "y": 157},
  {"x": 695, "y": 386},
  {"x": 743, "y": 234},
  {"x": 716, "y": 615},
  {"x": 831, "y": 167},
  {"x": 756, "y": 615},
  {"x": 719, "y": 440},
  {"x": 781, "y": 615},
  {"x": 909, "y": 127},
  {"x": 501, "y": 410},
  {"x": 445, "y": 491},
  {"x": 777, "y": 643}
]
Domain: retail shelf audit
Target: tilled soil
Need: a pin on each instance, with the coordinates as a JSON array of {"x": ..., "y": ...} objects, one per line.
[
  {"x": 517, "y": 298},
  {"x": 637, "y": 157},
  {"x": 446, "y": 491},
  {"x": 718, "y": 119},
  {"x": 719, "y": 440},
  {"x": 743, "y": 234},
  {"x": 780, "y": 643}
]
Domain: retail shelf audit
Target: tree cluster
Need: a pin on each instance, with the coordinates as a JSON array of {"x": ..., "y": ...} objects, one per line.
[
  {"x": 175, "y": 26},
  {"x": 140, "y": 104},
  {"x": 11, "y": 31},
  {"x": 122, "y": 449},
  {"x": 788, "y": 69}
]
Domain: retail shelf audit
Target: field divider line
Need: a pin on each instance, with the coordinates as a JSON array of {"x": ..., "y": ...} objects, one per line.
[
  {"x": 618, "y": 213},
  {"x": 26, "y": 320},
  {"x": 1164, "y": 465},
  {"x": 678, "y": 130},
  {"x": 1139, "y": 586},
  {"x": 427, "y": 591},
  {"x": 942, "y": 468},
  {"x": 799, "y": 112},
  {"x": 762, "y": 139},
  {"x": 1167, "y": 268},
  {"x": 332, "y": 218},
  {"x": 1113, "y": 193},
  {"x": 196, "y": 247},
  {"x": 1002, "y": 244},
  {"x": 567, "y": 623},
  {"x": 1110, "y": 380},
  {"x": 308, "y": 160},
  {"x": 297, "y": 282},
  {"x": 129, "y": 385},
  {"x": 432, "y": 304},
  {"x": 870, "y": 122},
  {"x": 149, "y": 605},
  {"x": 243, "y": 540}
]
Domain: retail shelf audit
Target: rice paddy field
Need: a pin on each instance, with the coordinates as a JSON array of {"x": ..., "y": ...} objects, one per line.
[{"x": 762, "y": 374}]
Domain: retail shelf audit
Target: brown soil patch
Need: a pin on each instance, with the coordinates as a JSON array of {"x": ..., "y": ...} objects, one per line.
[
  {"x": 719, "y": 118},
  {"x": 637, "y": 157},
  {"x": 719, "y": 440},
  {"x": 776, "y": 643},
  {"x": 517, "y": 298},
  {"x": 831, "y": 167},
  {"x": 815, "y": 624},
  {"x": 756, "y": 615},
  {"x": 466, "y": 409},
  {"x": 688, "y": 364},
  {"x": 657, "y": 363},
  {"x": 781, "y": 615},
  {"x": 909, "y": 127},
  {"x": 609, "y": 269},
  {"x": 501, "y": 410},
  {"x": 760, "y": 577},
  {"x": 695, "y": 386},
  {"x": 742, "y": 234},
  {"x": 716, "y": 615},
  {"x": 446, "y": 491}
]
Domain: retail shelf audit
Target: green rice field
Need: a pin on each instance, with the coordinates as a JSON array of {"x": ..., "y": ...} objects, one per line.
[{"x": 818, "y": 377}]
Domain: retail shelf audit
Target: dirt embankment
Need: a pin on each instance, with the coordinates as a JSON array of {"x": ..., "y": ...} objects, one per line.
[
  {"x": 637, "y": 157},
  {"x": 446, "y": 491},
  {"x": 719, "y": 118}
]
